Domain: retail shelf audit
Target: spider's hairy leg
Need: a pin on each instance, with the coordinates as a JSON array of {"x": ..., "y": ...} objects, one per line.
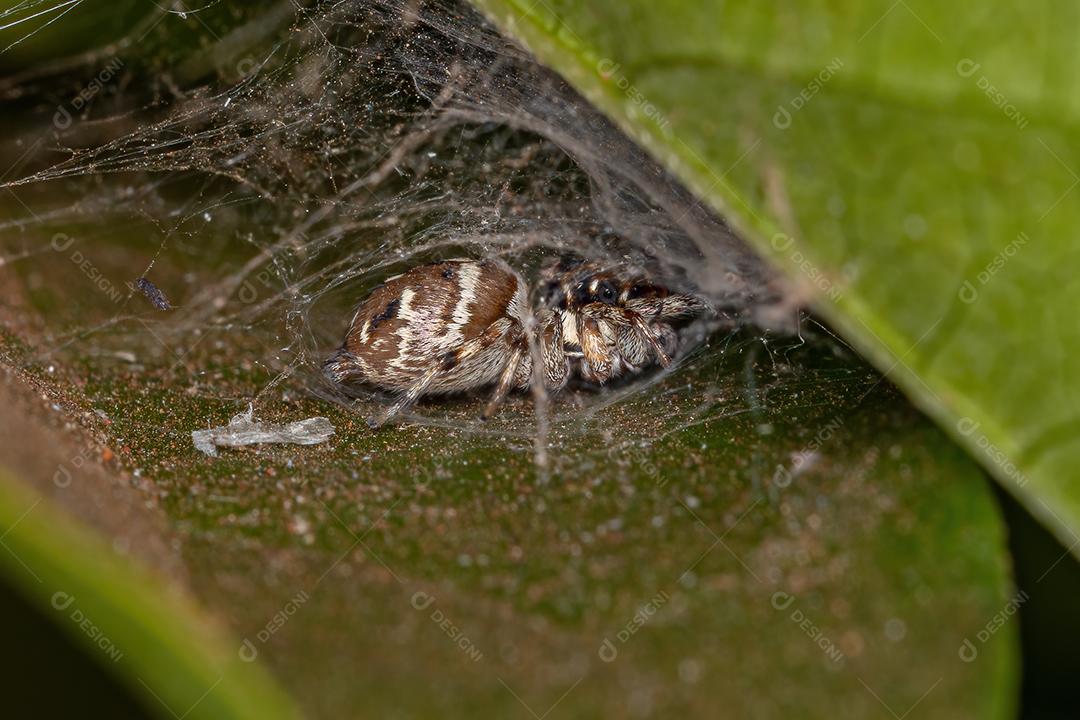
[
  {"x": 672, "y": 307},
  {"x": 506, "y": 380},
  {"x": 597, "y": 338},
  {"x": 340, "y": 367},
  {"x": 407, "y": 399},
  {"x": 554, "y": 363},
  {"x": 518, "y": 370}
]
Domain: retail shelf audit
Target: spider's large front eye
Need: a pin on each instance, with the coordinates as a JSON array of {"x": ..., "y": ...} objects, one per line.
[{"x": 606, "y": 292}]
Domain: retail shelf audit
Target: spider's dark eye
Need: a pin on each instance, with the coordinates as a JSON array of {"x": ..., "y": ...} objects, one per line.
[
  {"x": 646, "y": 290},
  {"x": 606, "y": 292}
]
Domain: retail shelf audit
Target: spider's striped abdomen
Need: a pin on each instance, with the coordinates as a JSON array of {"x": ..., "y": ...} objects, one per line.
[{"x": 458, "y": 314}]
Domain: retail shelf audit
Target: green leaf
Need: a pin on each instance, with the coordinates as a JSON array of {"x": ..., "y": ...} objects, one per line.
[
  {"x": 168, "y": 651},
  {"x": 770, "y": 529},
  {"x": 760, "y": 518},
  {"x": 913, "y": 165}
]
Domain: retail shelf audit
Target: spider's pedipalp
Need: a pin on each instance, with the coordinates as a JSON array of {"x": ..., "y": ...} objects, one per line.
[
  {"x": 633, "y": 347},
  {"x": 597, "y": 337},
  {"x": 642, "y": 328},
  {"x": 624, "y": 320}
]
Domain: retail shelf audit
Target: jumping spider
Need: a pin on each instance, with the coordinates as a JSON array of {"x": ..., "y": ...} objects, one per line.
[{"x": 459, "y": 325}]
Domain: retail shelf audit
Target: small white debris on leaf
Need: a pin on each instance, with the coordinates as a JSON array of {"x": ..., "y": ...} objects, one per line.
[{"x": 243, "y": 429}]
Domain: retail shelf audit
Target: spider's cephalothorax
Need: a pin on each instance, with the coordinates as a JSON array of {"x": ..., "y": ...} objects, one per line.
[
  {"x": 613, "y": 323},
  {"x": 460, "y": 325}
]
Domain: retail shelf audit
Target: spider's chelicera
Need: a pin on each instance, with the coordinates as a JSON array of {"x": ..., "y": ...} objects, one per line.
[{"x": 459, "y": 325}]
